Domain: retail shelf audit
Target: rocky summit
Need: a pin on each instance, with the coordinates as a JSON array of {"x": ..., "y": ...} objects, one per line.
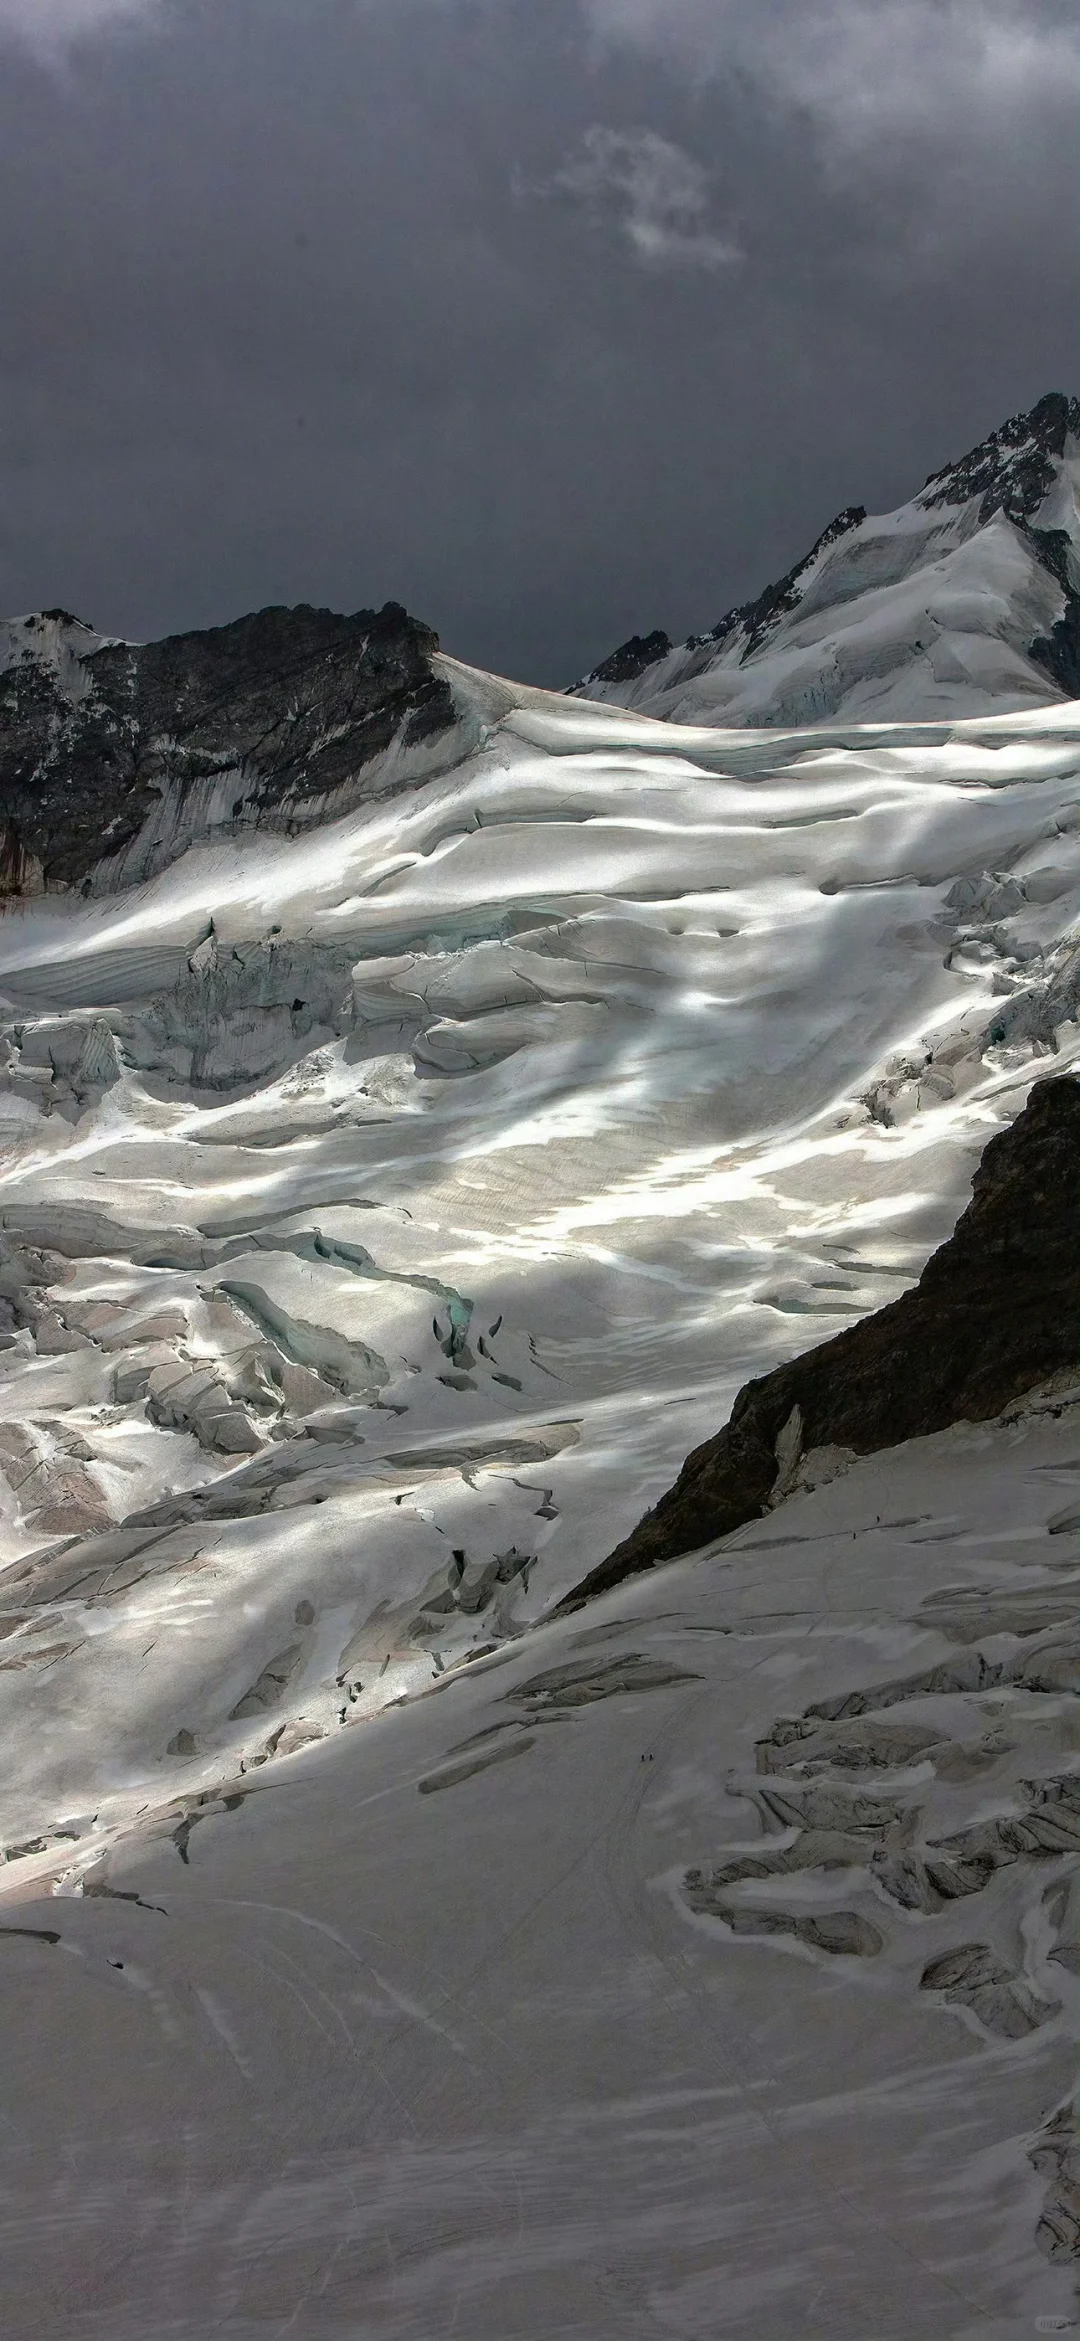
[{"x": 272, "y": 720}]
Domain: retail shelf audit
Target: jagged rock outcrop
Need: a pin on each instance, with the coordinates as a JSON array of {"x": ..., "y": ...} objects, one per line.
[
  {"x": 996, "y": 1310},
  {"x": 632, "y": 658},
  {"x": 278, "y": 711}
]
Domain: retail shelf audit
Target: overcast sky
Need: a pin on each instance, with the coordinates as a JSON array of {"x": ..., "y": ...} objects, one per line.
[{"x": 554, "y": 319}]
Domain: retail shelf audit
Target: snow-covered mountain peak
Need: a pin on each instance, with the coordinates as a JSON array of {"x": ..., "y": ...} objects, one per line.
[
  {"x": 55, "y": 641},
  {"x": 962, "y": 600}
]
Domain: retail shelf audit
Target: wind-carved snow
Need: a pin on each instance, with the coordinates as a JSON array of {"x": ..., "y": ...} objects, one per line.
[{"x": 387, "y": 1211}]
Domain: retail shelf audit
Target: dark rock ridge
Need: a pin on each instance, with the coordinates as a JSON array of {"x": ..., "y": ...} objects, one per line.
[
  {"x": 276, "y": 710},
  {"x": 996, "y": 1311},
  {"x": 632, "y": 658},
  {"x": 1011, "y": 472}
]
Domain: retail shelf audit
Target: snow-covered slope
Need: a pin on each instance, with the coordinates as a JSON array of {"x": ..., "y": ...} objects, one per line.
[
  {"x": 964, "y": 600},
  {"x": 702, "y": 1968}
]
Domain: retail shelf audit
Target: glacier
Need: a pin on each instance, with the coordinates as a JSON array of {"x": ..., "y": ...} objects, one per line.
[
  {"x": 406, "y": 1159},
  {"x": 428, "y": 1183}
]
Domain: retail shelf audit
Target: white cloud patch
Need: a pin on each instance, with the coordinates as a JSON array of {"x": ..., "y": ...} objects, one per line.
[
  {"x": 658, "y": 196},
  {"x": 868, "y": 69},
  {"x": 49, "y": 27}
]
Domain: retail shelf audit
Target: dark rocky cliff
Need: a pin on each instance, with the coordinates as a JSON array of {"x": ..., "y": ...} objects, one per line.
[
  {"x": 293, "y": 702},
  {"x": 995, "y": 1311}
]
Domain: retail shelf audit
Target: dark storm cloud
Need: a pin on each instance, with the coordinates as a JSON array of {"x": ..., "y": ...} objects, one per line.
[{"x": 554, "y": 323}]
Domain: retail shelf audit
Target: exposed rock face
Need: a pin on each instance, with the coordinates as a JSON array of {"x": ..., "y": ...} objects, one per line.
[
  {"x": 995, "y": 1311},
  {"x": 754, "y": 618},
  {"x": 1058, "y": 652},
  {"x": 632, "y": 657},
  {"x": 274, "y": 711}
]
